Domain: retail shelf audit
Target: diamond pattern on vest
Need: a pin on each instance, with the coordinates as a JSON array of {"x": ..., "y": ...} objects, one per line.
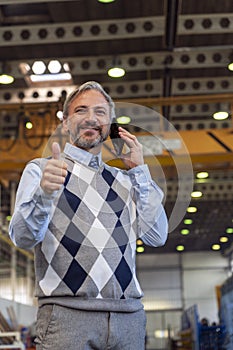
[{"x": 90, "y": 244}]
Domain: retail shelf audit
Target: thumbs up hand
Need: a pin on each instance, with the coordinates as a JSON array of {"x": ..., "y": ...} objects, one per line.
[{"x": 55, "y": 171}]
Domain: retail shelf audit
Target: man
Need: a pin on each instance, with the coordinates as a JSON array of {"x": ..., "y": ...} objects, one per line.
[{"x": 83, "y": 222}]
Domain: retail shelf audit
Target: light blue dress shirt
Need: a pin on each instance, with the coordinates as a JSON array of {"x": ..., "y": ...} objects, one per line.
[{"x": 32, "y": 212}]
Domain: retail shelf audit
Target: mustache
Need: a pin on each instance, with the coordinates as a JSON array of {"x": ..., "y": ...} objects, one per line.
[{"x": 90, "y": 124}]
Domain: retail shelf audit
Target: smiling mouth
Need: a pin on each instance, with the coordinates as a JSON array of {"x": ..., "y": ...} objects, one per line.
[{"x": 88, "y": 131}]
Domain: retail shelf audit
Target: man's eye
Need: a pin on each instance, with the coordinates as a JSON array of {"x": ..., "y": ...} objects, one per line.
[
  {"x": 100, "y": 112},
  {"x": 81, "y": 111}
]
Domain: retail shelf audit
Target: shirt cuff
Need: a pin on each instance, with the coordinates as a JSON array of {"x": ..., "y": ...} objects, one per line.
[
  {"x": 140, "y": 176},
  {"x": 42, "y": 199}
]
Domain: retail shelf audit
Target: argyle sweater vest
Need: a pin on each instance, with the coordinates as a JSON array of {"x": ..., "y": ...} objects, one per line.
[{"x": 89, "y": 248}]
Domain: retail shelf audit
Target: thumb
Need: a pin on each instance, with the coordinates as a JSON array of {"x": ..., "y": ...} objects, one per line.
[{"x": 56, "y": 150}]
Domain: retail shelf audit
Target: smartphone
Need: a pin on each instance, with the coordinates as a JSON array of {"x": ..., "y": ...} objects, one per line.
[{"x": 117, "y": 141}]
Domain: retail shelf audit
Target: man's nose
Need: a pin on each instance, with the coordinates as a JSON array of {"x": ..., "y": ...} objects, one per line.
[{"x": 91, "y": 115}]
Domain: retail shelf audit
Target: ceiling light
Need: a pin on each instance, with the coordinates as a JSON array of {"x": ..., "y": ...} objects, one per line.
[
  {"x": 140, "y": 249},
  {"x": 50, "y": 77},
  {"x": 106, "y": 1},
  {"x": 28, "y": 124},
  {"x": 54, "y": 66},
  {"x": 229, "y": 230},
  {"x": 196, "y": 194},
  {"x": 184, "y": 231},
  {"x": 202, "y": 175},
  {"x": 192, "y": 209},
  {"x": 55, "y": 75},
  {"x": 220, "y": 115},
  {"x": 124, "y": 119},
  {"x": 230, "y": 66},
  {"x": 59, "y": 115},
  {"x": 116, "y": 72},
  {"x": 139, "y": 242},
  {"x": 38, "y": 67},
  {"x": 223, "y": 239},
  {"x": 188, "y": 221},
  {"x": 6, "y": 79},
  {"x": 216, "y": 247},
  {"x": 180, "y": 248}
]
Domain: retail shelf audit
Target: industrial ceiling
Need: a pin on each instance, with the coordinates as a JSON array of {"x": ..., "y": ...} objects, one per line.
[{"x": 175, "y": 54}]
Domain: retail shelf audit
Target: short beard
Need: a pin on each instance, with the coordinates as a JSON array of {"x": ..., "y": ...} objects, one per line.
[{"x": 81, "y": 141}]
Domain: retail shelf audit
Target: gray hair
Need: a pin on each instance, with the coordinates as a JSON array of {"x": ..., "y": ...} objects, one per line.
[{"x": 89, "y": 85}]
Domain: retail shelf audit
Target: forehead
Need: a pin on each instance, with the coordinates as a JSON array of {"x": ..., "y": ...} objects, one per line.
[{"x": 89, "y": 98}]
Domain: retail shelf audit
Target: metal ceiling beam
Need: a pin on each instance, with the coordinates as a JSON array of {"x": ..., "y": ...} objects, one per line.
[
  {"x": 202, "y": 86},
  {"x": 204, "y": 24},
  {"x": 42, "y": 100},
  {"x": 143, "y": 90},
  {"x": 172, "y": 7},
  {"x": 53, "y": 94},
  {"x": 47, "y": 33},
  {"x": 111, "y": 29},
  {"x": 200, "y": 57}
]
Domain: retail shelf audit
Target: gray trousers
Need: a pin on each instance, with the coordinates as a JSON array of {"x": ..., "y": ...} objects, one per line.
[{"x": 62, "y": 328}]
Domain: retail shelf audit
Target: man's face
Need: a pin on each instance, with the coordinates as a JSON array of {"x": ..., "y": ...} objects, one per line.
[{"x": 88, "y": 122}]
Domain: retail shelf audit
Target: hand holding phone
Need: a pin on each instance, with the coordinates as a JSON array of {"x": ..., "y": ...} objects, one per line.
[{"x": 117, "y": 141}]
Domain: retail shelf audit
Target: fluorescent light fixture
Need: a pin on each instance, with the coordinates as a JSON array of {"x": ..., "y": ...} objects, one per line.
[
  {"x": 6, "y": 79},
  {"x": 196, "y": 194},
  {"x": 106, "y": 1},
  {"x": 54, "y": 74},
  {"x": 230, "y": 66},
  {"x": 140, "y": 249},
  {"x": 221, "y": 115},
  {"x": 202, "y": 175},
  {"x": 50, "y": 77},
  {"x": 229, "y": 230},
  {"x": 216, "y": 247},
  {"x": 223, "y": 239},
  {"x": 188, "y": 221},
  {"x": 184, "y": 231},
  {"x": 180, "y": 248},
  {"x": 192, "y": 209},
  {"x": 139, "y": 242},
  {"x": 124, "y": 119},
  {"x": 116, "y": 72}
]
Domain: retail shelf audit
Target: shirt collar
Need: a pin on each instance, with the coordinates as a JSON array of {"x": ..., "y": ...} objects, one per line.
[{"x": 80, "y": 155}]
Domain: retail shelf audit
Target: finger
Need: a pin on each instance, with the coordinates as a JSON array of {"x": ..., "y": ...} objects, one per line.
[
  {"x": 56, "y": 150},
  {"x": 130, "y": 140},
  {"x": 125, "y": 133}
]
